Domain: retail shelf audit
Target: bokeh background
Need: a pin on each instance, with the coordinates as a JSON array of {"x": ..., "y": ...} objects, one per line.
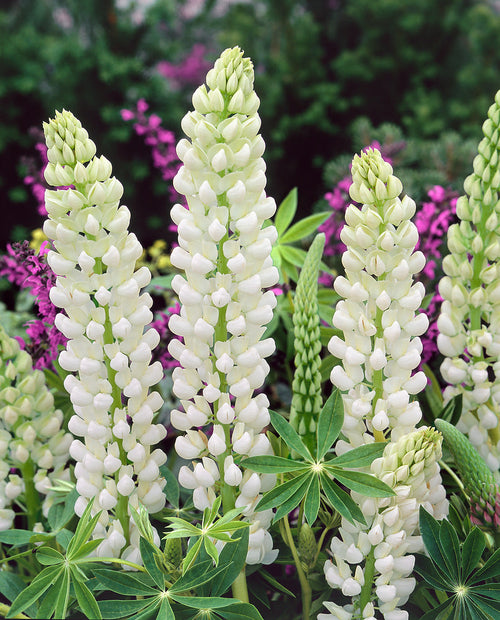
[{"x": 332, "y": 75}]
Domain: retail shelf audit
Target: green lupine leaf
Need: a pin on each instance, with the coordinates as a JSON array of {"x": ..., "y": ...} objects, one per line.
[
  {"x": 240, "y": 611},
  {"x": 328, "y": 332},
  {"x": 48, "y": 556},
  {"x": 85, "y": 550},
  {"x": 148, "y": 554},
  {"x": 489, "y": 609},
  {"x": 362, "y": 456},
  {"x": 171, "y": 490},
  {"x": 123, "y": 582},
  {"x": 211, "y": 549},
  {"x": 165, "y": 612},
  {"x": 429, "y": 529},
  {"x": 232, "y": 559},
  {"x": 436, "y": 613},
  {"x": 61, "y": 514},
  {"x": 119, "y": 608},
  {"x": 286, "y": 212},
  {"x": 196, "y": 576},
  {"x": 202, "y": 602},
  {"x": 11, "y": 585},
  {"x": 330, "y": 423},
  {"x": 293, "y": 501},
  {"x": 450, "y": 546},
  {"x": 340, "y": 500},
  {"x": 62, "y": 596},
  {"x": 267, "y": 464},
  {"x": 329, "y": 297},
  {"x": 48, "y": 603},
  {"x": 288, "y": 268},
  {"x": 312, "y": 501},
  {"x": 490, "y": 569},
  {"x": 362, "y": 483},
  {"x": 472, "y": 550},
  {"x": 275, "y": 583},
  {"x": 16, "y": 537},
  {"x": 84, "y": 529},
  {"x": 432, "y": 395},
  {"x": 305, "y": 227},
  {"x": 34, "y": 591},
  {"x": 280, "y": 493},
  {"x": 295, "y": 256},
  {"x": 327, "y": 363},
  {"x": 192, "y": 553},
  {"x": 452, "y": 411},
  {"x": 425, "y": 567},
  {"x": 489, "y": 590},
  {"x": 148, "y": 612},
  {"x": 86, "y": 600},
  {"x": 289, "y": 435}
]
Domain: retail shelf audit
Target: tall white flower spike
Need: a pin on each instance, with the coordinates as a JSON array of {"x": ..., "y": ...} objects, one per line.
[
  {"x": 379, "y": 313},
  {"x": 108, "y": 353},
  {"x": 469, "y": 322},
  {"x": 224, "y": 251}
]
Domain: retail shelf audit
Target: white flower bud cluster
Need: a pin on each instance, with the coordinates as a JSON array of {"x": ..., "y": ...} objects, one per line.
[
  {"x": 31, "y": 438},
  {"x": 469, "y": 322},
  {"x": 224, "y": 251},
  {"x": 383, "y": 547},
  {"x": 108, "y": 354},
  {"x": 379, "y": 313}
]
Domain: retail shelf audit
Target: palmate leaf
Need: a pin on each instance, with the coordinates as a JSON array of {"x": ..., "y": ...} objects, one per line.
[
  {"x": 429, "y": 529},
  {"x": 286, "y": 212},
  {"x": 450, "y": 547},
  {"x": 330, "y": 423},
  {"x": 35, "y": 590},
  {"x": 62, "y": 588},
  {"x": 427, "y": 569},
  {"x": 202, "y": 602},
  {"x": 148, "y": 553},
  {"x": 196, "y": 576},
  {"x": 232, "y": 559},
  {"x": 120, "y": 608},
  {"x": 282, "y": 493},
  {"x": 340, "y": 500},
  {"x": 292, "y": 502},
  {"x": 362, "y": 456},
  {"x": 290, "y": 436},
  {"x": 312, "y": 501},
  {"x": 361, "y": 483},
  {"x": 16, "y": 537},
  {"x": 122, "y": 582},
  {"x": 490, "y": 569},
  {"x": 305, "y": 227},
  {"x": 165, "y": 612},
  {"x": 86, "y": 600},
  {"x": 438, "y": 612},
  {"x": 479, "y": 609},
  {"x": 240, "y": 611},
  {"x": 488, "y": 590},
  {"x": 267, "y": 464}
]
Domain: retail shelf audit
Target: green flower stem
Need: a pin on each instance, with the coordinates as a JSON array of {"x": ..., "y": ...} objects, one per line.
[
  {"x": 30, "y": 493},
  {"x": 18, "y": 555},
  {"x": 378, "y": 375},
  {"x": 304, "y": 583},
  {"x": 320, "y": 543},
  {"x": 4, "y": 610},
  {"x": 366, "y": 591}
]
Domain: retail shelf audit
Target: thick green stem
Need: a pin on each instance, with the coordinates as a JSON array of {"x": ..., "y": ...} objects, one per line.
[
  {"x": 30, "y": 493},
  {"x": 366, "y": 591},
  {"x": 304, "y": 583}
]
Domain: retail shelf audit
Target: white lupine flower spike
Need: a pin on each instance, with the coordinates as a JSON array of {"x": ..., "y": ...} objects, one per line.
[
  {"x": 224, "y": 253},
  {"x": 378, "y": 313},
  {"x": 108, "y": 352},
  {"x": 469, "y": 322},
  {"x": 373, "y": 564}
]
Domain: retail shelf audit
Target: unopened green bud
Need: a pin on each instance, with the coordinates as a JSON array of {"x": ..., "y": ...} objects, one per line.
[
  {"x": 173, "y": 551},
  {"x": 307, "y": 546}
]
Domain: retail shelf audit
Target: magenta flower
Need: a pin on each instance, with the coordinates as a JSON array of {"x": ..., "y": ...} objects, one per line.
[
  {"x": 191, "y": 70},
  {"x": 26, "y": 269}
]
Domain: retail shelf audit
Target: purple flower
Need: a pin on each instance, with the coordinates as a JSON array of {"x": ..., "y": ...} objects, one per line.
[
  {"x": 26, "y": 269},
  {"x": 191, "y": 70}
]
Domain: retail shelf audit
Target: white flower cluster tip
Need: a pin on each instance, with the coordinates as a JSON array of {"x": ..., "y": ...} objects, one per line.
[
  {"x": 224, "y": 251},
  {"x": 108, "y": 354},
  {"x": 379, "y": 313},
  {"x": 381, "y": 549},
  {"x": 469, "y": 322}
]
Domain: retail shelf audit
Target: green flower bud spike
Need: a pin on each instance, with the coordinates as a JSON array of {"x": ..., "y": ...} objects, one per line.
[
  {"x": 307, "y": 546},
  {"x": 476, "y": 476},
  {"x": 306, "y": 399}
]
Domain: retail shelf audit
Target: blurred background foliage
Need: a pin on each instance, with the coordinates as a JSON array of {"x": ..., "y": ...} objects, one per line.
[{"x": 332, "y": 75}]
